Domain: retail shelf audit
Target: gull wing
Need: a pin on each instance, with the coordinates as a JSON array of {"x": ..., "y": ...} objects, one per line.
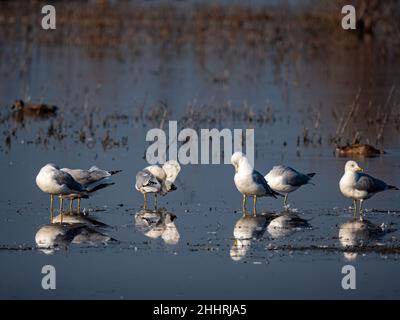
[
  {"x": 259, "y": 179},
  {"x": 370, "y": 184},
  {"x": 145, "y": 178},
  {"x": 65, "y": 178}
]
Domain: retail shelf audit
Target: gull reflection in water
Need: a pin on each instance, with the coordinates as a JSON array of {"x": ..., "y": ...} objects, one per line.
[
  {"x": 70, "y": 218},
  {"x": 356, "y": 233},
  {"x": 286, "y": 224},
  {"x": 247, "y": 229},
  {"x": 157, "y": 224},
  {"x": 74, "y": 230}
]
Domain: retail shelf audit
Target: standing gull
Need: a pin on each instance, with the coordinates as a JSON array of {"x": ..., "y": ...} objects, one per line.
[
  {"x": 156, "y": 179},
  {"x": 88, "y": 178},
  {"x": 249, "y": 182},
  {"x": 53, "y": 181},
  {"x": 284, "y": 180},
  {"x": 360, "y": 186}
]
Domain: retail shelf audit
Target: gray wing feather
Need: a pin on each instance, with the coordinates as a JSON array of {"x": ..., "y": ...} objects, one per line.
[
  {"x": 62, "y": 177},
  {"x": 259, "y": 179},
  {"x": 298, "y": 179},
  {"x": 87, "y": 177},
  {"x": 95, "y": 176},
  {"x": 293, "y": 177},
  {"x": 144, "y": 178},
  {"x": 289, "y": 176},
  {"x": 370, "y": 184}
]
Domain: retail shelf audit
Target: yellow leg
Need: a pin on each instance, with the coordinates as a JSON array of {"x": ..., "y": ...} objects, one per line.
[
  {"x": 285, "y": 200},
  {"x": 51, "y": 207},
  {"x": 51, "y": 202},
  {"x": 79, "y": 205},
  {"x": 144, "y": 201},
  {"x": 244, "y": 205},
  {"x": 254, "y": 205},
  {"x": 361, "y": 208},
  {"x": 155, "y": 201},
  {"x": 355, "y": 208},
  {"x": 61, "y": 208}
]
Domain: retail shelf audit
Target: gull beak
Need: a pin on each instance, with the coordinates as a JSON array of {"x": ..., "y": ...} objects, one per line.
[{"x": 359, "y": 169}]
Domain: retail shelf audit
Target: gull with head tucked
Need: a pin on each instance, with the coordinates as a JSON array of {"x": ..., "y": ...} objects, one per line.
[
  {"x": 156, "y": 179},
  {"x": 89, "y": 178},
  {"x": 360, "y": 186},
  {"x": 285, "y": 180},
  {"x": 54, "y": 181},
  {"x": 249, "y": 182}
]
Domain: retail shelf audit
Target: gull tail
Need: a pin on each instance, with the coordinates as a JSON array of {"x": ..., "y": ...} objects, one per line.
[
  {"x": 312, "y": 174},
  {"x": 392, "y": 188},
  {"x": 114, "y": 172},
  {"x": 99, "y": 187},
  {"x": 173, "y": 187}
]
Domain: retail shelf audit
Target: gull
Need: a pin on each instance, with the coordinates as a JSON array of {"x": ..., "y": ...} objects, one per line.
[
  {"x": 53, "y": 181},
  {"x": 284, "y": 180},
  {"x": 88, "y": 178},
  {"x": 360, "y": 186},
  {"x": 156, "y": 179},
  {"x": 249, "y": 182}
]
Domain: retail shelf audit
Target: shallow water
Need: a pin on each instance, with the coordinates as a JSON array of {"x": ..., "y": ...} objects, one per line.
[{"x": 127, "y": 97}]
